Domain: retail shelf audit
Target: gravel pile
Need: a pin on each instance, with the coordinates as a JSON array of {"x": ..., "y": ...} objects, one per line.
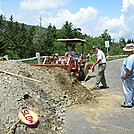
[{"x": 49, "y": 98}]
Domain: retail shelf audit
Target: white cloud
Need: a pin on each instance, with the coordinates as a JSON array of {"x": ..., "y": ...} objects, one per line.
[
  {"x": 87, "y": 19},
  {"x": 128, "y": 11},
  {"x": 80, "y": 18},
  {"x": 85, "y": 15},
  {"x": 119, "y": 27},
  {"x": 126, "y": 5},
  {"x": 41, "y": 4},
  {"x": 115, "y": 26}
]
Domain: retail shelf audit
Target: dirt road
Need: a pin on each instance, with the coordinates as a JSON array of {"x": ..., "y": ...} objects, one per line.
[{"x": 104, "y": 116}]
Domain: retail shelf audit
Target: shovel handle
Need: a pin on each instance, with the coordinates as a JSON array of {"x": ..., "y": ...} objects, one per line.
[
  {"x": 88, "y": 74},
  {"x": 12, "y": 127},
  {"x": 20, "y": 76}
]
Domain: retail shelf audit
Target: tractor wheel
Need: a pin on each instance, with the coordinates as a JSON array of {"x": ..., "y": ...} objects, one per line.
[{"x": 82, "y": 74}]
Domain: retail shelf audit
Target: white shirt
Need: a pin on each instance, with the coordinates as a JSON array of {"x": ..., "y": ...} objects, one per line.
[{"x": 101, "y": 56}]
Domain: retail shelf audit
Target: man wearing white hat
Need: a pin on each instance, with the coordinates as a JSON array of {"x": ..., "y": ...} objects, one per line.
[{"x": 127, "y": 76}]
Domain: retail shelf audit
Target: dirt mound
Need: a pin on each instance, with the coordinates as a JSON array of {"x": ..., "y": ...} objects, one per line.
[{"x": 48, "y": 98}]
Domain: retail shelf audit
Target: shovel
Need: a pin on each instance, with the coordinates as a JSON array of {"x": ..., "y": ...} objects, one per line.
[
  {"x": 90, "y": 71},
  {"x": 19, "y": 76},
  {"x": 86, "y": 76}
]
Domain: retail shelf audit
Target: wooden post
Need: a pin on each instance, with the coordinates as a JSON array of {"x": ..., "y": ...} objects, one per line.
[
  {"x": 38, "y": 57},
  {"x": 6, "y": 57}
]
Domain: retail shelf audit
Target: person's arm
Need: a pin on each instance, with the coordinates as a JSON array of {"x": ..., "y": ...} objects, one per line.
[
  {"x": 95, "y": 63},
  {"x": 129, "y": 67},
  {"x": 66, "y": 54},
  {"x": 127, "y": 74},
  {"x": 75, "y": 53}
]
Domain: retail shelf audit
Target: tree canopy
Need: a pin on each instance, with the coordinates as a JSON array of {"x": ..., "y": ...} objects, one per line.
[{"x": 18, "y": 40}]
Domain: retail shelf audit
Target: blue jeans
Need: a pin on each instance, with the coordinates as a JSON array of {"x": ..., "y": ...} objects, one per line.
[{"x": 128, "y": 88}]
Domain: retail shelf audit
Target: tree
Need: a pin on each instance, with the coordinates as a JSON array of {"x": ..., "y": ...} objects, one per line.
[
  {"x": 122, "y": 42},
  {"x": 106, "y": 36},
  {"x": 67, "y": 30},
  {"x": 130, "y": 41},
  {"x": 19, "y": 40}
]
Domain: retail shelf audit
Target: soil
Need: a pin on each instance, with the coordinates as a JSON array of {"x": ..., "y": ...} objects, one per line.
[{"x": 49, "y": 98}]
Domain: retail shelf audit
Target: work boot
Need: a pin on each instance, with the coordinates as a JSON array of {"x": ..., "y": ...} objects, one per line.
[
  {"x": 103, "y": 87},
  {"x": 126, "y": 106}
]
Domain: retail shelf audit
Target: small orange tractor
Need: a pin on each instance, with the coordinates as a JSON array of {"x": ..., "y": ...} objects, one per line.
[{"x": 77, "y": 67}]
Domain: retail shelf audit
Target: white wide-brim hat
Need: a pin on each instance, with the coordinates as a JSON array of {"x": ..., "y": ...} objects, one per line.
[{"x": 129, "y": 47}]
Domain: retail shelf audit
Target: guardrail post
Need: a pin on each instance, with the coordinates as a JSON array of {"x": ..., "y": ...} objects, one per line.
[
  {"x": 6, "y": 57},
  {"x": 38, "y": 57}
]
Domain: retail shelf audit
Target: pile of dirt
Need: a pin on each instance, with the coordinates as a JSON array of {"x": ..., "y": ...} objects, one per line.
[{"x": 49, "y": 98}]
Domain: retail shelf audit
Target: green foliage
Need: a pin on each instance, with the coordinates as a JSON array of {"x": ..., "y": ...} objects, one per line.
[{"x": 18, "y": 40}]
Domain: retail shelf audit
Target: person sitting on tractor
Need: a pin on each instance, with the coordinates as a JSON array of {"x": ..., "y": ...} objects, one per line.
[{"x": 71, "y": 53}]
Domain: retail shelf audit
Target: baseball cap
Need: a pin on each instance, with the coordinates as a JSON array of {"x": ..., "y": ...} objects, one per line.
[{"x": 95, "y": 46}]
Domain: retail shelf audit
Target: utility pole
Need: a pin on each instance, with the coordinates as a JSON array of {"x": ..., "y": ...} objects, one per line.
[
  {"x": 40, "y": 21},
  {"x": 40, "y": 27}
]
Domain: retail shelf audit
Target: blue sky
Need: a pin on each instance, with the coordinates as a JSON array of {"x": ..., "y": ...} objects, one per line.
[{"x": 92, "y": 16}]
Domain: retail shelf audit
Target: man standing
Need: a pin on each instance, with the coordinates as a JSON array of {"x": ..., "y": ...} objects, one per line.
[
  {"x": 101, "y": 61},
  {"x": 127, "y": 76}
]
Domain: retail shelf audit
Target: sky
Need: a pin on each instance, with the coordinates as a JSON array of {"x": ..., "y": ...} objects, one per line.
[{"x": 92, "y": 16}]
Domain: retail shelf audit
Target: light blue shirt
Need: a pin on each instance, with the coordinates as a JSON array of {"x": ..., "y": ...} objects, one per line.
[
  {"x": 70, "y": 53},
  {"x": 128, "y": 64}
]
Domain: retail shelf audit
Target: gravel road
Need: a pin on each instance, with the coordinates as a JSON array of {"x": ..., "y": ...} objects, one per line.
[{"x": 105, "y": 117}]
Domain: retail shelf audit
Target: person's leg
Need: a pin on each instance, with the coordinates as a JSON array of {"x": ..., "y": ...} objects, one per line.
[
  {"x": 103, "y": 80},
  {"x": 128, "y": 88},
  {"x": 99, "y": 75},
  {"x": 133, "y": 93}
]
